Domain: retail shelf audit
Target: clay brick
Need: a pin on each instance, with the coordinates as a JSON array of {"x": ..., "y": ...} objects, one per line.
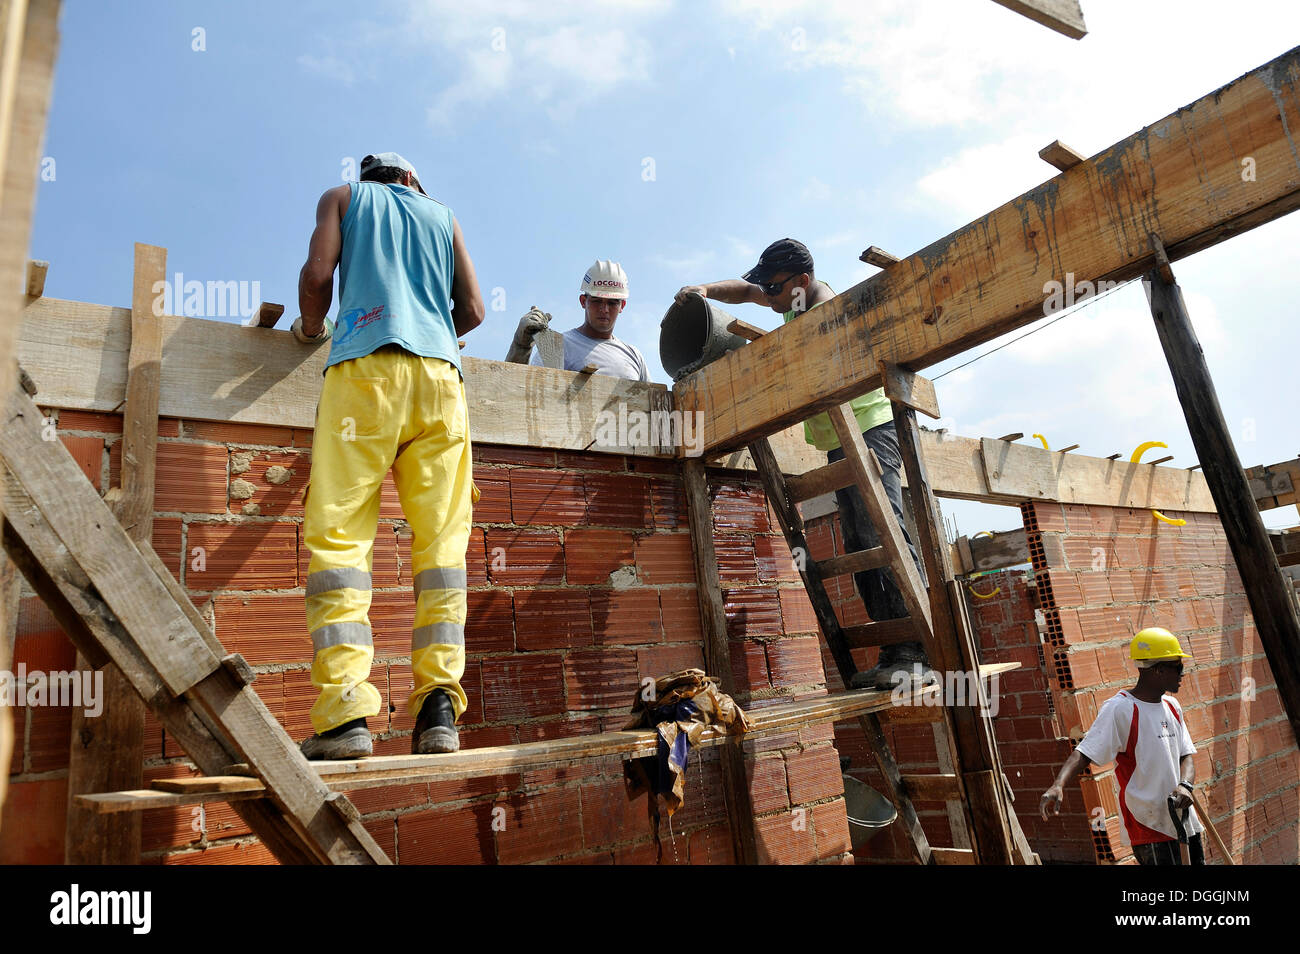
[
  {"x": 1049, "y": 516},
  {"x": 831, "y": 828},
  {"x": 524, "y": 557},
  {"x": 814, "y": 774},
  {"x": 665, "y": 558},
  {"x": 774, "y": 560},
  {"x": 609, "y": 816},
  {"x": 462, "y": 836},
  {"x": 88, "y": 452},
  {"x": 797, "y": 612},
  {"x": 166, "y": 542},
  {"x": 494, "y": 495},
  {"x": 752, "y": 611},
  {"x": 1065, "y": 588},
  {"x": 40, "y": 643},
  {"x": 72, "y": 420},
  {"x": 522, "y": 688},
  {"x": 392, "y": 619},
  {"x": 460, "y": 789},
  {"x": 668, "y": 502},
  {"x": 738, "y": 507},
  {"x": 390, "y": 504},
  {"x": 654, "y": 465},
  {"x": 541, "y": 826},
  {"x": 749, "y": 665},
  {"x": 552, "y": 619},
  {"x": 711, "y": 846},
  {"x": 547, "y": 497},
  {"x": 237, "y": 853},
  {"x": 590, "y": 556},
  {"x": 520, "y": 456},
  {"x": 785, "y": 839},
  {"x": 620, "y": 617},
  {"x": 1095, "y": 588},
  {"x": 600, "y": 680},
  {"x": 795, "y": 662},
  {"x": 476, "y": 558},
  {"x": 655, "y": 661},
  {"x": 768, "y": 787},
  {"x": 618, "y": 500},
  {"x": 680, "y": 609},
  {"x": 489, "y": 622},
  {"x": 252, "y": 556},
  {"x": 272, "y": 498},
  {"x": 49, "y": 736},
  {"x": 191, "y": 478},
  {"x": 220, "y": 432},
  {"x": 735, "y": 558},
  {"x": 264, "y": 628}
]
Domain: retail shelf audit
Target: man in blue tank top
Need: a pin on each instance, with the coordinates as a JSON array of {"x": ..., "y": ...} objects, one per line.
[{"x": 392, "y": 398}]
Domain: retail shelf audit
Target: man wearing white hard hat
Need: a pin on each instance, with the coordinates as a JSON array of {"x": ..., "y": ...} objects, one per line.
[
  {"x": 603, "y": 296},
  {"x": 1142, "y": 730}
]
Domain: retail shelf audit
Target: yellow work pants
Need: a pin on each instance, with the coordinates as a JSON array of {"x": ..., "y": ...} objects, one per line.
[{"x": 390, "y": 409}]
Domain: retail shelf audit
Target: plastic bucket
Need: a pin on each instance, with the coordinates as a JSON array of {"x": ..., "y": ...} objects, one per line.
[
  {"x": 868, "y": 811},
  {"x": 694, "y": 333}
]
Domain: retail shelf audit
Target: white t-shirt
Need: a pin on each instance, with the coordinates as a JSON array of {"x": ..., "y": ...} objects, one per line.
[
  {"x": 1145, "y": 740},
  {"x": 610, "y": 356}
]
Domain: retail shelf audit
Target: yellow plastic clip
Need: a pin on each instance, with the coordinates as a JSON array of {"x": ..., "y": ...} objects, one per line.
[
  {"x": 1044, "y": 440},
  {"x": 1137, "y": 456},
  {"x": 983, "y": 596}
]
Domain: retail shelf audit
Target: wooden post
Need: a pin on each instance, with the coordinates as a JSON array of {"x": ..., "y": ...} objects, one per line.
[
  {"x": 717, "y": 655},
  {"x": 1275, "y": 618},
  {"x": 29, "y": 40},
  {"x": 107, "y": 752}
]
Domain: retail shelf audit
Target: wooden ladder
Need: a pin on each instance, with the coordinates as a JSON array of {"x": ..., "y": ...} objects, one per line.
[
  {"x": 937, "y": 618},
  {"x": 119, "y": 603}
]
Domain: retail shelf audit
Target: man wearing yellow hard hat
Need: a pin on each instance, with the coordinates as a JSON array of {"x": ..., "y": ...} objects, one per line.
[{"x": 1143, "y": 732}]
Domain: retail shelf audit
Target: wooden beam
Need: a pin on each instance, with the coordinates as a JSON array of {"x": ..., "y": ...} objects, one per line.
[
  {"x": 29, "y": 42},
  {"x": 992, "y": 552},
  {"x": 874, "y": 255},
  {"x": 1181, "y": 175},
  {"x": 267, "y": 314},
  {"x": 106, "y": 753},
  {"x": 745, "y": 329},
  {"x": 1266, "y": 590},
  {"x": 1063, "y": 16},
  {"x": 1058, "y": 154},
  {"x": 36, "y": 278},
  {"x": 1275, "y": 485},
  {"x": 912, "y": 390},
  {"x": 717, "y": 654}
]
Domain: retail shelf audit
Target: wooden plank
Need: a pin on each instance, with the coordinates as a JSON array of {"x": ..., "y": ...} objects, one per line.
[
  {"x": 36, "y": 272},
  {"x": 1181, "y": 175},
  {"x": 139, "y": 800},
  {"x": 953, "y": 856},
  {"x": 745, "y": 329},
  {"x": 267, "y": 314},
  {"x": 106, "y": 752},
  {"x": 904, "y": 387},
  {"x": 933, "y": 788},
  {"x": 717, "y": 654},
  {"x": 1266, "y": 590},
  {"x": 874, "y": 255},
  {"x": 1058, "y": 154},
  {"x": 823, "y": 480},
  {"x": 209, "y": 784},
  {"x": 1063, "y": 16},
  {"x": 849, "y": 563},
  {"x": 1275, "y": 485},
  {"x": 994, "y": 551}
]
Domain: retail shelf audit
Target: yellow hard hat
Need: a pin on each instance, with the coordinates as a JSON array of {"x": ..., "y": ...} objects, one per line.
[{"x": 1156, "y": 643}]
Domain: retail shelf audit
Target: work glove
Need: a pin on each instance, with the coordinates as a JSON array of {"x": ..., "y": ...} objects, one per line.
[
  {"x": 304, "y": 338},
  {"x": 521, "y": 345}
]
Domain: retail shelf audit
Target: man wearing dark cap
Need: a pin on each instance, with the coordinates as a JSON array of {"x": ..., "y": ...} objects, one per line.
[
  {"x": 392, "y": 398},
  {"x": 784, "y": 281}
]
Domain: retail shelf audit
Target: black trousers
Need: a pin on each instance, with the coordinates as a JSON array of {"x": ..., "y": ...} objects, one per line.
[{"x": 1167, "y": 853}]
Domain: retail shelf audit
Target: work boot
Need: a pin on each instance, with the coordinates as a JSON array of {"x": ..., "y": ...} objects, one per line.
[
  {"x": 435, "y": 728},
  {"x": 899, "y": 664},
  {"x": 351, "y": 740}
]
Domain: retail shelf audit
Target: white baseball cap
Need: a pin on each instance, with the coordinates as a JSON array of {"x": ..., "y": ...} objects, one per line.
[
  {"x": 605, "y": 279},
  {"x": 387, "y": 160}
]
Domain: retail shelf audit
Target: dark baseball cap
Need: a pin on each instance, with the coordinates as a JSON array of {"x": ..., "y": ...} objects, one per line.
[{"x": 787, "y": 255}]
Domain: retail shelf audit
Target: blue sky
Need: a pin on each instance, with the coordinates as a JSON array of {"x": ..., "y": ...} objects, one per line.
[{"x": 844, "y": 124}]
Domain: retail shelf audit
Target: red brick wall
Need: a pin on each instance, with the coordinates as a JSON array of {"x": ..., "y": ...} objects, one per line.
[
  {"x": 1100, "y": 574},
  {"x": 1104, "y": 573},
  {"x": 555, "y": 647}
]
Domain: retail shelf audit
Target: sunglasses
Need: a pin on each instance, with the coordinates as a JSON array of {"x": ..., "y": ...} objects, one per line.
[
  {"x": 1170, "y": 666},
  {"x": 772, "y": 289}
]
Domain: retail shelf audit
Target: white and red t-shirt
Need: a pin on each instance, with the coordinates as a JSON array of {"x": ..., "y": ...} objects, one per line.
[{"x": 1145, "y": 740}]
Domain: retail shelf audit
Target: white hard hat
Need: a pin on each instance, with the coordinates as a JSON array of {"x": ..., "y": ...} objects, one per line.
[{"x": 605, "y": 279}]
